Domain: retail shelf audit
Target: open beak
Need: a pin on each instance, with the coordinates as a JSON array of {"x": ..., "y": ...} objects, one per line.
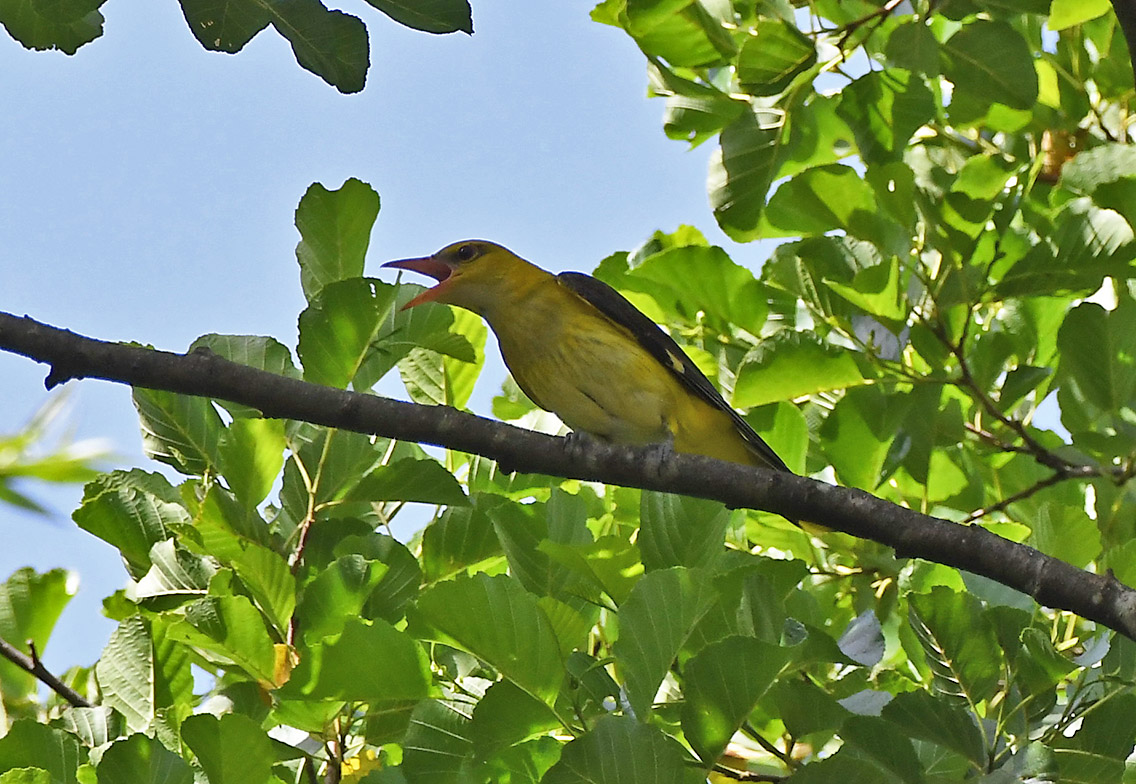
[{"x": 428, "y": 265}]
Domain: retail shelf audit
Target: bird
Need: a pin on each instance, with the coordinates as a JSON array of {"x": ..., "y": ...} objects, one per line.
[{"x": 580, "y": 349}]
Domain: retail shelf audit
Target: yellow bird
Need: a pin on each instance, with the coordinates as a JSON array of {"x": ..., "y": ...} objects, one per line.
[{"x": 579, "y": 349}]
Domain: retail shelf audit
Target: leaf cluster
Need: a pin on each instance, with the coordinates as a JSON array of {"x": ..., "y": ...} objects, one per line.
[{"x": 330, "y": 43}]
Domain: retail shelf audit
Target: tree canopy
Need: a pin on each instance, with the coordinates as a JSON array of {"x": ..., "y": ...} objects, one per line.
[{"x": 946, "y": 320}]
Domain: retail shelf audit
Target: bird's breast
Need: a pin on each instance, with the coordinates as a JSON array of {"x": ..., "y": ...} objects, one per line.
[{"x": 592, "y": 374}]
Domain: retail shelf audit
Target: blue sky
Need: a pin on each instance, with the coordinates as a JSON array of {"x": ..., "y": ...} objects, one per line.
[{"x": 147, "y": 192}]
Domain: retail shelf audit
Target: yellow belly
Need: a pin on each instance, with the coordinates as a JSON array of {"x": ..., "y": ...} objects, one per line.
[{"x": 599, "y": 380}]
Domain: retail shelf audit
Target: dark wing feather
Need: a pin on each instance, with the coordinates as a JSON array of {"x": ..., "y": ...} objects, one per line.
[{"x": 662, "y": 347}]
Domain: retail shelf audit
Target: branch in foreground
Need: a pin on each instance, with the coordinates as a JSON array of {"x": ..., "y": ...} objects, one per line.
[
  {"x": 1051, "y": 582},
  {"x": 32, "y": 664}
]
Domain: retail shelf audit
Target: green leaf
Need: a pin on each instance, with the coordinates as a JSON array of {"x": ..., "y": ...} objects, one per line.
[
  {"x": 25, "y": 776},
  {"x": 225, "y": 25},
  {"x": 619, "y": 751},
  {"x": 773, "y": 55},
  {"x": 694, "y": 282},
  {"x": 990, "y": 61},
  {"x": 175, "y": 571},
  {"x": 525, "y": 763},
  {"x": 36, "y": 25},
  {"x": 94, "y": 726},
  {"x": 507, "y": 715},
  {"x": 695, "y": 111},
  {"x": 1069, "y": 13},
  {"x": 520, "y": 643},
  {"x": 353, "y": 332},
  {"x": 654, "y": 621},
  {"x": 913, "y": 46},
  {"x": 173, "y": 680},
  {"x": 461, "y": 373},
  {"x": 126, "y": 673},
  {"x": 251, "y": 456},
  {"x": 920, "y": 715},
  {"x": 425, "y": 481},
  {"x": 30, "y": 744},
  {"x": 524, "y": 529},
  {"x": 1063, "y": 531},
  {"x": 742, "y": 170},
  {"x": 232, "y": 628},
  {"x": 331, "y": 44},
  {"x": 141, "y": 759},
  {"x": 30, "y": 605},
  {"x": 435, "y": 379},
  {"x": 806, "y": 709},
  {"x": 682, "y": 32},
  {"x": 1105, "y": 730},
  {"x": 611, "y": 564},
  {"x": 231, "y": 749},
  {"x": 1102, "y": 165},
  {"x": 338, "y": 594},
  {"x": 822, "y": 199},
  {"x": 334, "y": 460},
  {"x": 262, "y": 353},
  {"x": 883, "y": 109},
  {"x": 340, "y": 327},
  {"x": 424, "y": 377},
  {"x": 677, "y": 530},
  {"x": 431, "y": 16},
  {"x": 270, "y": 581},
  {"x": 367, "y": 660},
  {"x": 257, "y": 351},
  {"x": 817, "y": 136},
  {"x": 461, "y": 537},
  {"x": 803, "y": 268},
  {"x": 1086, "y": 245},
  {"x": 959, "y": 643},
  {"x": 133, "y": 511},
  {"x": 983, "y": 177},
  {"x": 399, "y": 585},
  {"x": 877, "y": 290},
  {"x": 722, "y": 684},
  {"x": 784, "y": 427},
  {"x": 1098, "y": 356},
  {"x": 182, "y": 431},
  {"x": 788, "y": 366},
  {"x": 437, "y": 743},
  {"x": 335, "y": 230},
  {"x": 885, "y": 745}
]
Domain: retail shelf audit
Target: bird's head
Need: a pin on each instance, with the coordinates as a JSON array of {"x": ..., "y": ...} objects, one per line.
[{"x": 472, "y": 274}]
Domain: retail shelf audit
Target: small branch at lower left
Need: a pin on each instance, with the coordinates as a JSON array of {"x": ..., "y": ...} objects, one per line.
[{"x": 32, "y": 664}]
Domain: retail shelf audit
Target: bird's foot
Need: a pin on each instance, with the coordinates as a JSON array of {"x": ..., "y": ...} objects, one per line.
[
  {"x": 657, "y": 453},
  {"x": 577, "y": 442}
]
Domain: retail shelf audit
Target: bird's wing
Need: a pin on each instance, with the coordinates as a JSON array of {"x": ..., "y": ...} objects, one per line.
[{"x": 662, "y": 347}]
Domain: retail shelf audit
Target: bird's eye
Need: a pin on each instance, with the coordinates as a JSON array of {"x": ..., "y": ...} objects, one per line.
[{"x": 467, "y": 252}]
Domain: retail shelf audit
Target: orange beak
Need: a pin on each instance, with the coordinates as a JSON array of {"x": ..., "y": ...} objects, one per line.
[{"x": 428, "y": 265}]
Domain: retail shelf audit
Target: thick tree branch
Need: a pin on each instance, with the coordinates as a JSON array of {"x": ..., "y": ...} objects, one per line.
[
  {"x": 1051, "y": 582},
  {"x": 32, "y": 664}
]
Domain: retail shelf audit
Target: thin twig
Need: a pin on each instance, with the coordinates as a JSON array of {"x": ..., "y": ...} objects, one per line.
[
  {"x": 1031, "y": 445},
  {"x": 751, "y": 732},
  {"x": 856, "y": 24},
  {"x": 1037, "y": 487},
  {"x": 743, "y": 775},
  {"x": 32, "y": 665}
]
